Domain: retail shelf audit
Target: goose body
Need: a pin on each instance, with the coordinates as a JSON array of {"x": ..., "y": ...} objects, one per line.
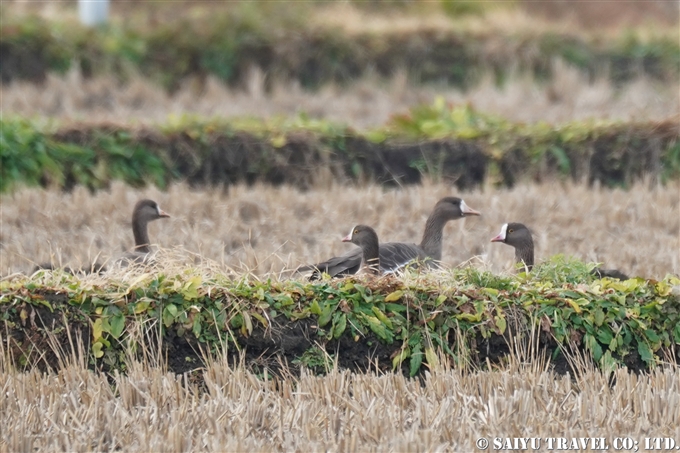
[
  {"x": 395, "y": 255},
  {"x": 95, "y": 268}
]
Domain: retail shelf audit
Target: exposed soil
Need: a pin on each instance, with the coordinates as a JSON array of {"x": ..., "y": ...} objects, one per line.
[{"x": 33, "y": 341}]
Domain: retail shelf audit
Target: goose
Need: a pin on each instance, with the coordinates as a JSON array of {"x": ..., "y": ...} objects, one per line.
[
  {"x": 145, "y": 211},
  {"x": 519, "y": 236},
  {"x": 367, "y": 239},
  {"x": 94, "y": 268},
  {"x": 394, "y": 255}
]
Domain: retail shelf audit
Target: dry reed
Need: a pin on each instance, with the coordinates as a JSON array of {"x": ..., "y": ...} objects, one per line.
[
  {"x": 265, "y": 229},
  {"x": 366, "y": 103},
  {"x": 149, "y": 409}
]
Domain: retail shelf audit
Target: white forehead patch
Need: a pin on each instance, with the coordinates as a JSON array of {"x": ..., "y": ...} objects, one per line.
[
  {"x": 463, "y": 207},
  {"x": 504, "y": 231},
  {"x": 351, "y": 232},
  {"x": 158, "y": 208}
]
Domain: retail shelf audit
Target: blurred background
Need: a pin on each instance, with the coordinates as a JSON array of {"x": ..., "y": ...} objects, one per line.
[{"x": 354, "y": 62}]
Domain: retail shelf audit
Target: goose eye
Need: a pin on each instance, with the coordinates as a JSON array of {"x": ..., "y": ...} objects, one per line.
[
  {"x": 510, "y": 230},
  {"x": 356, "y": 231}
]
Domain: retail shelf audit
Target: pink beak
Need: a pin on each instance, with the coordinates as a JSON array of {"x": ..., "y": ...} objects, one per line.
[
  {"x": 498, "y": 238},
  {"x": 347, "y": 238},
  {"x": 162, "y": 213},
  {"x": 467, "y": 210}
]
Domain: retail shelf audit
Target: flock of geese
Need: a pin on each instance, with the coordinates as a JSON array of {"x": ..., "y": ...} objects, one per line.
[{"x": 372, "y": 256}]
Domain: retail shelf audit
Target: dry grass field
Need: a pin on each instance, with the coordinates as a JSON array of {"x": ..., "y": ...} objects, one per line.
[
  {"x": 234, "y": 410},
  {"x": 266, "y": 229},
  {"x": 366, "y": 103}
]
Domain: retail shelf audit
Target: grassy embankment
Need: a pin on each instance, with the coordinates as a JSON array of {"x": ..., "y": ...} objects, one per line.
[
  {"x": 292, "y": 43},
  {"x": 454, "y": 144}
]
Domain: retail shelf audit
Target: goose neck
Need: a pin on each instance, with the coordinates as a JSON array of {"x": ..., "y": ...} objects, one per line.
[
  {"x": 433, "y": 234},
  {"x": 141, "y": 233}
]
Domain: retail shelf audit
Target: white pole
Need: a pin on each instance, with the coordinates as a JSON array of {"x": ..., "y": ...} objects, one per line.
[{"x": 93, "y": 12}]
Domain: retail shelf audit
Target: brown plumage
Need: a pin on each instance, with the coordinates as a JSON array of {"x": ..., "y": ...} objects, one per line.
[
  {"x": 367, "y": 239},
  {"x": 95, "y": 268},
  {"x": 145, "y": 211},
  {"x": 518, "y": 236},
  {"x": 395, "y": 255}
]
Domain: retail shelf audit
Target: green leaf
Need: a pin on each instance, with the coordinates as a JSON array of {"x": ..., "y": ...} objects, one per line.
[
  {"x": 117, "y": 325},
  {"x": 375, "y": 136},
  {"x": 190, "y": 288},
  {"x": 378, "y": 328},
  {"x": 607, "y": 362},
  {"x": 645, "y": 352},
  {"x": 492, "y": 293},
  {"x": 598, "y": 316},
  {"x": 415, "y": 362},
  {"x": 399, "y": 358},
  {"x": 394, "y": 296},
  {"x": 236, "y": 321},
  {"x": 501, "y": 323},
  {"x": 396, "y": 308},
  {"x": 432, "y": 358},
  {"x": 340, "y": 326},
  {"x": 46, "y": 304},
  {"x": 576, "y": 304},
  {"x": 196, "y": 328},
  {"x": 97, "y": 349},
  {"x": 381, "y": 316},
  {"x": 169, "y": 314},
  {"x": 676, "y": 333},
  {"x": 326, "y": 314},
  {"x": 247, "y": 322},
  {"x": 278, "y": 141},
  {"x": 260, "y": 318},
  {"x": 593, "y": 346},
  {"x": 604, "y": 335},
  {"x": 141, "y": 307},
  {"x": 663, "y": 289},
  {"x": 652, "y": 336},
  {"x": 315, "y": 308},
  {"x": 97, "y": 329},
  {"x": 469, "y": 317}
]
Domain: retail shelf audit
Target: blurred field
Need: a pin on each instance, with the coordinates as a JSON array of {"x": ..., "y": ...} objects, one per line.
[
  {"x": 585, "y": 15},
  {"x": 233, "y": 410},
  {"x": 364, "y": 104},
  {"x": 265, "y": 229}
]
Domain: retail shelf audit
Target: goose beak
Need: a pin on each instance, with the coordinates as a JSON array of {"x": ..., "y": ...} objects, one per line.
[
  {"x": 501, "y": 235},
  {"x": 162, "y": 213},
  {"x": 347, "y": 238},
  {"x": 467, "y": 210}
]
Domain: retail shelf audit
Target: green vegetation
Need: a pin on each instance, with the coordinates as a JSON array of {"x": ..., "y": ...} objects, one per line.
[
  {"x": 455, "y": 144},
  {"x": 416, "y": 318},
  {"x": 286, "y": 45}
]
